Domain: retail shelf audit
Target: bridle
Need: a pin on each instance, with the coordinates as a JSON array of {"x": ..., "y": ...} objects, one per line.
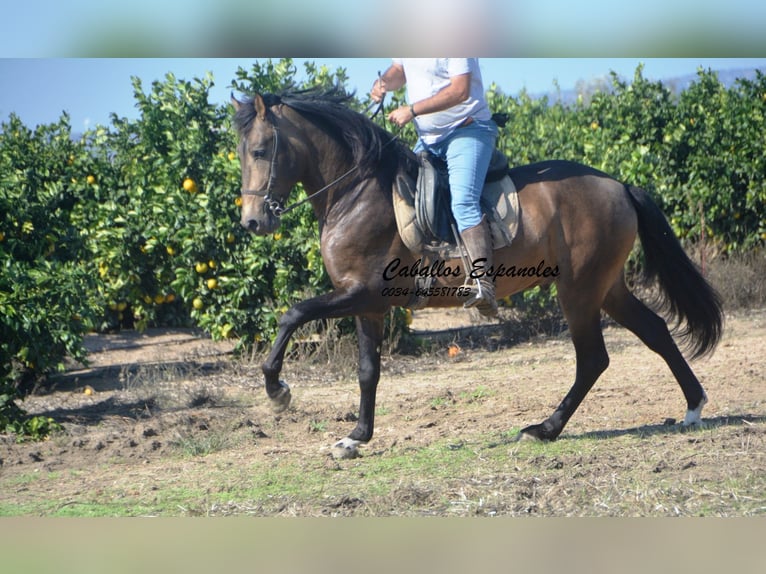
[{"x": 276, "y": 206}]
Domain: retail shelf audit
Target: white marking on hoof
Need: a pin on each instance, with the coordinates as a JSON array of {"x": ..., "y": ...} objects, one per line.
[
  {"x": 694, "y": 417},
  {"x": 280, "y": 403},
  {"x": 346, "y": 448},
  {"x": 525, "y": 437}
]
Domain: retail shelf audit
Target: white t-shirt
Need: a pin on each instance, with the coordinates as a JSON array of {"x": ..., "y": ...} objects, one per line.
[{"x": 426, "y": 76}]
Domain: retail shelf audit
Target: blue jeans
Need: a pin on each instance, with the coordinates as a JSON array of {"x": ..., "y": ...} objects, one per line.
[{"x": 467, "y": 151}]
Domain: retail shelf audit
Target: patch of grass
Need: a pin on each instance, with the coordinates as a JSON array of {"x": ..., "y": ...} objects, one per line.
[
  {"x": 8, "y": 509},
  {"x": 138, "y": 377},
  {"x": 172, "y": 386},
  {"x": 382, "y": 411},
  {"x": 437, "y": 402},
  {"x": 716, "y": 471},
  {"x": 366, "y": 486},
  {"x": 202, "y": 444},
  {"x": 22, "y": 479},
  {"x": 478, "y": 394},
  {"x": 175, "y": 501},
  {"x": 739, "y": 279},
  {"x": 202, "y": 396},
  {"x": 317, "y": 426}
]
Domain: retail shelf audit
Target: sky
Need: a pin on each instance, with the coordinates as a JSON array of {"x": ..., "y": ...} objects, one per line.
[
  {"x": 79, "y": 55},
  {"x": 38, "y": 90}
]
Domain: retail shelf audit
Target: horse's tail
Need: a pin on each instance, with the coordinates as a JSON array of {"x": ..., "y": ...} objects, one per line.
[{"x": 684, "y": 292}]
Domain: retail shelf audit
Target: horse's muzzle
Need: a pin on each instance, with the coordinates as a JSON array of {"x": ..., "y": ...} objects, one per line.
[
  {"x": 250, "y": 224},
  {"x": 262, "y": 226}
]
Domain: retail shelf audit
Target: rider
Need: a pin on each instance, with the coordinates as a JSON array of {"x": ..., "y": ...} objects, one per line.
[{"x": 453, "y": 122}]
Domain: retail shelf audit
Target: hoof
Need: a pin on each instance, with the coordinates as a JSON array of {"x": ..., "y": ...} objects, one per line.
[
  {"x": 694, "y": 416},
  {"x": 526, "y": 437},
  {"x": 346, "y": 449},
  {"x": 534, "y": 433},
  {"x": 281, "y": 401}
]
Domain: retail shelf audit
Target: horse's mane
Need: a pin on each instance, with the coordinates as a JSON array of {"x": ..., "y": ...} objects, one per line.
[{"x": 328, "y": 108}]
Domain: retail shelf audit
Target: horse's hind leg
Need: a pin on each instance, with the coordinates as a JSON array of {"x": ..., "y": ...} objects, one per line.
[
  {"x": 592, "y": 360},
  {"x": 627, "y": 310}
]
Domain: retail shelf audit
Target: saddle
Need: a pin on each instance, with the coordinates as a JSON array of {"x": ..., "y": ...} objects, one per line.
[{"x": 424, "y": 217}]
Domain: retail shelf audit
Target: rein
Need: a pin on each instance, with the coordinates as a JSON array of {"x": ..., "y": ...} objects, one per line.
[{"x": 276, "y": 205}]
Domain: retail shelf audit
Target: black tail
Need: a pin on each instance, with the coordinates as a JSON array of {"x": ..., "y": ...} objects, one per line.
[{"x": 685, "y": 294}]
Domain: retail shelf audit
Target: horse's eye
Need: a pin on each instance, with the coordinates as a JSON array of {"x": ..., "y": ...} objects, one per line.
[{"x": 258, "y": 153}]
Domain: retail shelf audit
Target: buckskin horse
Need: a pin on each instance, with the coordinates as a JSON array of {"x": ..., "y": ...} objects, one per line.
[{"x": 579, "y": 221}]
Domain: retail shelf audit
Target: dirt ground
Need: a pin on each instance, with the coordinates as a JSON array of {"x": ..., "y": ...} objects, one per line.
[{"x": 159, "y": 403}]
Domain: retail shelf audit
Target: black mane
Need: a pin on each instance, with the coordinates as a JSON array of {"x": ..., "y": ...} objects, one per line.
[{"x": 328, "y": 108}]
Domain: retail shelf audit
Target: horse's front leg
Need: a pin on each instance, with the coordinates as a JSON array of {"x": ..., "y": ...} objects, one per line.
[
  {"x": 369, "y": 331},
  {"x": 338, "y": 303}
]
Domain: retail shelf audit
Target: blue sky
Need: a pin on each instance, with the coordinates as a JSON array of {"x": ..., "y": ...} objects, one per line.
[
  {"x": 526, "y": 42},
  {"x": 38, "y": 90}
]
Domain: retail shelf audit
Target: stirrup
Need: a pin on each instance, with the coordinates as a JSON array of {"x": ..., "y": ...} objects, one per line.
[{"x": 480, "y": 297}]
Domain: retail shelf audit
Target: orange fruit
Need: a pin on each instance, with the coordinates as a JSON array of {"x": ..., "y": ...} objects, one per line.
[{"x": 190, "y": 185}]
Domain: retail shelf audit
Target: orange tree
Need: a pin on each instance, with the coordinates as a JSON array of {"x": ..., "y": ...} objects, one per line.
[
  {"x": 717, "y": 150},
  {"x": 161, "y": 206},
  {"x": 163, "y": 219},
  {"x": 698, "y": 152},
  {"x": 47, "y": 299}
]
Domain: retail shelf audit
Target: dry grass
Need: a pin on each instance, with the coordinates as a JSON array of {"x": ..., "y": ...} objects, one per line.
[{"x": 740, "y": 279}]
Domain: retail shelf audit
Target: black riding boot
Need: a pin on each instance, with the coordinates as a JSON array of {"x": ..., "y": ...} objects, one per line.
[{"x": 478, "y": 242}]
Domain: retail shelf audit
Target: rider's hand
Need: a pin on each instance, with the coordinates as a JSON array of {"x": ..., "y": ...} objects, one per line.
[
  {"x": 400, "y": 116},
  {"x": 378, "y": 90}
]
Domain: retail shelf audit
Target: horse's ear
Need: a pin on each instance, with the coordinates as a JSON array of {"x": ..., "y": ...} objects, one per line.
[
  {"x": 235, "y": 102},
  {"x": 260, "y": 106}
]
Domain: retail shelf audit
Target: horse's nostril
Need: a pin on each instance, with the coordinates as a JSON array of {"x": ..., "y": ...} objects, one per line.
[{"x": 250, "y": 224}]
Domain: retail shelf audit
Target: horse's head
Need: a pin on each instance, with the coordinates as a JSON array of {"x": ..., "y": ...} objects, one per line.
[
  {"x": 312, "y": 136},
  {"x": 268, "y": 174}
]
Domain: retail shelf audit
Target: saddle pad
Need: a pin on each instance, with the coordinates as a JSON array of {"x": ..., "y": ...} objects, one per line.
[{"x": 500, "y": 202}]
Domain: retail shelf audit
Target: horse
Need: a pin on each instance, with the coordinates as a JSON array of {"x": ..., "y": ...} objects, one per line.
[{"x": 580, "y": 222}]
